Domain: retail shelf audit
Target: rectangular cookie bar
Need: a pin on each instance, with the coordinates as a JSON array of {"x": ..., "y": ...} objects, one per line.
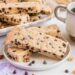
[
  {"x": 15, "y": 18},
  {"x": 10, "y": 1},
  {"x": 20, "y": 7},
  {"x": 36, "y": 41},
  {"x": 19, "y": 55}
]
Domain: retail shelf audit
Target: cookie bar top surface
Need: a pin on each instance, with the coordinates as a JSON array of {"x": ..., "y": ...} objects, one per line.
[{"x": 36, "y": 41}]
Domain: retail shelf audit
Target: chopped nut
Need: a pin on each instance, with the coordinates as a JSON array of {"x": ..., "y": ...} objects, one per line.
[{"x": 70, "y": 58}]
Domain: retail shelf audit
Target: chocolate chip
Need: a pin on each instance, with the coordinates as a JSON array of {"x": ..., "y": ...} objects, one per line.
[
  {"x": 18, "y": 43},
  {"x": 44, "y": 62},
  {"x": 55, "y": 40},
  {"x": 54, "y": 54},
  {"x": 66, "y": 71},
  {"x": 11, "y": 41},
  {"x": 9, "y": 8},
  {"x": 14, "y": 72},
  {"x": 64, "y": 45},
  {"x": 32, "y": 48},
  {"x": 26, "y": 73},
  {"x": 3, "y": 9},
  {"x": 0, "y": 11},
  {"x": 45, "y": 51},
  {"x": 27, "y": 47},
  {"x": 7, "y": 19},
  {"x": 62, "y": 56},
  {"x": 15, "y": 40},
  {"x": 11, "y": 18},
  {"x": 30, "y": 64},
  {"x": 30, "y": 9},
  {"x": 19, "y": 19},
  {"x": 40, "y": 33},
  {"x": 1, "y": 56},
  {"x": 33, "y": 62},
  {"x": 14, "y": 20},
  {"x": 14, "y": 51},
  {"x": 58, "y": 31}
]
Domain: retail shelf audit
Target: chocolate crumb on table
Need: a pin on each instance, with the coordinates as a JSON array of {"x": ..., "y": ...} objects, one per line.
[
  {"x": 14, "y": 72},
  {"x": 26, "y": 73},
  {"x": 1, "y": 56},
  {"x": 66, "y": 71}
]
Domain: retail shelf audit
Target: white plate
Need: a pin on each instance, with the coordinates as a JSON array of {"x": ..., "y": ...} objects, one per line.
[
  {"x": 4, "y": 31},
  {"x": 38, "y": 62}
]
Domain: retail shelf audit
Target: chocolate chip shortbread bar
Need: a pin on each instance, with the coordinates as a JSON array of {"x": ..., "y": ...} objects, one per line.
[
  {"x": 19, "y": 55},
  {"x": 38, "y": 42},
  {"x": 20, "y": 7},
  {"x": 15, "y": 18}
]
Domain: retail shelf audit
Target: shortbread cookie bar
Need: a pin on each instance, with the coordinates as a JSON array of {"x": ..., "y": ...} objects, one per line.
[
  {"x": 63, "y": 1},
  {"x": 10, "y": 1},
  {"x": 19, "y": 55},
  {"x": 36, "y": 41},
  {"x": 15, "y": 18},
  {"x": 20, "y": 7}
]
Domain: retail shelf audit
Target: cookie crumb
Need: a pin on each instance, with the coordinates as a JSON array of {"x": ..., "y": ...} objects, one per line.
[
  {"x": 70, "y": 58},
  {"x": 73, "y": 72}
]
